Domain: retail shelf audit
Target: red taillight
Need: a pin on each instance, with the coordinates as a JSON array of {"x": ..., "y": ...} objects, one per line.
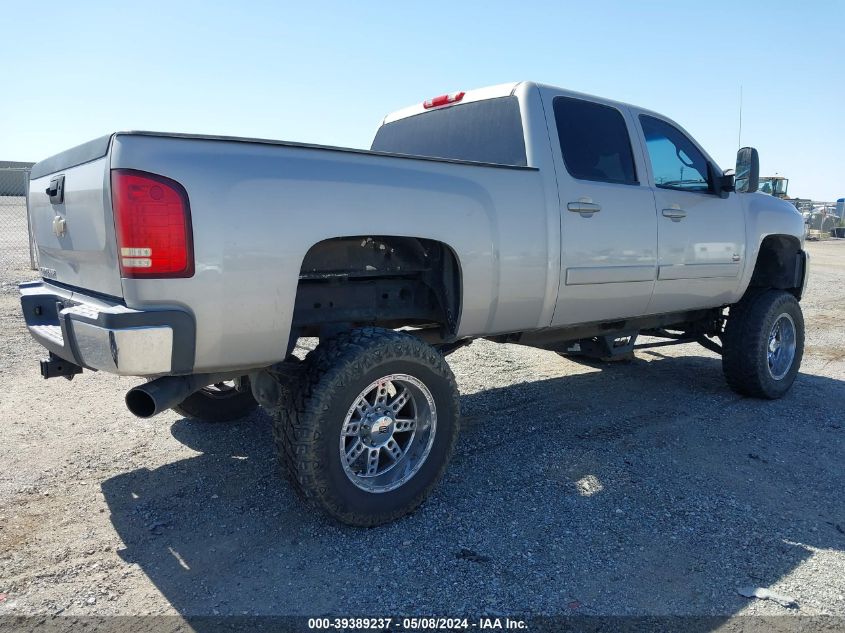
[
  {"x": 452, "y": 97},
  {"x": 153, "y": 224}
]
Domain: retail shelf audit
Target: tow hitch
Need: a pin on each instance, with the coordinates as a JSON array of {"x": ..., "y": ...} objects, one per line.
[{"x": 54, "y": 366}]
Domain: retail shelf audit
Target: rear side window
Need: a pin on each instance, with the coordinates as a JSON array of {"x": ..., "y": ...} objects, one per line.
[
  {"x": 594, "y": 141},
  {"x": 488, "y": 131}
]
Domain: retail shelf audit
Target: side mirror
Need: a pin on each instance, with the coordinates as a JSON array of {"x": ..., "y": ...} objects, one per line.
[
  {"x": 724, "y": 182},
  {"x": 747, "y": 178}
]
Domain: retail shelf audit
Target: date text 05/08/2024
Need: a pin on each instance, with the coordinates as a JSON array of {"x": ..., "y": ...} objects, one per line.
[{"x": 415, "y": 624}]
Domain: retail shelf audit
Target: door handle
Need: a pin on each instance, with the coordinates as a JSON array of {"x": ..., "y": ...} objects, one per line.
[
  {"x": 585, "y": 207},
  {"x": 676, "y": 214}
]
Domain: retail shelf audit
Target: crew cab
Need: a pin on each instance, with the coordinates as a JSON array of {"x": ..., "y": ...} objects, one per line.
[{"x": 521, "y": 213}]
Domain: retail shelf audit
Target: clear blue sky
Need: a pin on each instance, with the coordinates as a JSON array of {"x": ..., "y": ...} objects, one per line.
[{"x": 327, "y": 72}]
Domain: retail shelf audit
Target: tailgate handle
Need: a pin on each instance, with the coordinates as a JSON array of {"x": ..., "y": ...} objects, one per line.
[{"x": 56, "y": 190}]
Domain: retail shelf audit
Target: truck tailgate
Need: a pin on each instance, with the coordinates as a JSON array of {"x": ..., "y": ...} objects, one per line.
[{"x": 74, "y": 233}]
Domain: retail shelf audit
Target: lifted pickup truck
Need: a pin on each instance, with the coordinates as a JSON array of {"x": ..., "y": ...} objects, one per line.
[{"x": 521, "y": 213}]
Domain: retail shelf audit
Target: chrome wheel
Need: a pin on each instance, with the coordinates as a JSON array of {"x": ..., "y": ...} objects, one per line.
[
  {"x": 781, "y": 346},
  {"x": 388, "y": 433}
]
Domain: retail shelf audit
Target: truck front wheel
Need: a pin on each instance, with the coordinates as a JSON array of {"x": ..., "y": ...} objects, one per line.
[
  {"x": 763, "y": 344},
  {"x": 370, "y": 430}
]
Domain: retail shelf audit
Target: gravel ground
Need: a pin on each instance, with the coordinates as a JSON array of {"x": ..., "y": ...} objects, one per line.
[{"x": 644, "y": 487}]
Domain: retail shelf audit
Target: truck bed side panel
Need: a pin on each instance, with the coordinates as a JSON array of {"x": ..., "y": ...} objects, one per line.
[{"x": 258, "y": 208}]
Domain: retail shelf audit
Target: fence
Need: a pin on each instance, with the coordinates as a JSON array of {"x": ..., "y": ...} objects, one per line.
[{"x": 16, "y": 246}]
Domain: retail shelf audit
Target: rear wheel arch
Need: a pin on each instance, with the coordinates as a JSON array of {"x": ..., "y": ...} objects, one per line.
[{"x": 378, "y": 280}]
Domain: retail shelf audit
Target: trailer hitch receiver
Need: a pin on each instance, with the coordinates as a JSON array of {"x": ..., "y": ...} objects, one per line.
[{"x": 54, "y": 366}]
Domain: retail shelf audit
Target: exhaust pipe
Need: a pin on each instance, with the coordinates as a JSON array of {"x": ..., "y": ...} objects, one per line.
[{"x": 166, "y": 392}]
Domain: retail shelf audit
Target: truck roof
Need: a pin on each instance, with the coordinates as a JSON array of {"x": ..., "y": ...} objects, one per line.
[
  {"x": 504, "y": 90},
  {"x": 522, "y": 87},
  {"x": 478, "y": 94}
]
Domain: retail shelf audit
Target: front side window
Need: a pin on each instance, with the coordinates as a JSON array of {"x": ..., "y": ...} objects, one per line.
[
  {"x": 675, "y": 161},
  {"x": 594, "y": 141}
]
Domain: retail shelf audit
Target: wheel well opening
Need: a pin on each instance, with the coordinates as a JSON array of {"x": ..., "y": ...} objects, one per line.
[
  {"x": 378, "y": 280},
  {"x": 780, "y": 264}
]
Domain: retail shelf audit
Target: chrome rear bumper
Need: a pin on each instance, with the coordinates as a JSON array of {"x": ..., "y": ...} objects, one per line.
[{"x": 103, "y": 334}]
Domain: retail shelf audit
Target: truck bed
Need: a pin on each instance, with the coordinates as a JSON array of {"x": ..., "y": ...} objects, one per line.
[{"x": 257, "y": 206}]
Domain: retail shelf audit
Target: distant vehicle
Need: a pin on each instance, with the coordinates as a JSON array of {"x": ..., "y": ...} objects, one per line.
[
  {"x": 822, "y": 217},
  {"x": 520, "y": 213},
  {"x": 774, "y": 186}
]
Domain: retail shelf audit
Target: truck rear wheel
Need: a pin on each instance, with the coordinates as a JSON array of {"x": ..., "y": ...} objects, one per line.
[
  {"x": 222, "y": 402},
  {"x": 763, "y": 344},
  {"x": 370, "y": 430}
]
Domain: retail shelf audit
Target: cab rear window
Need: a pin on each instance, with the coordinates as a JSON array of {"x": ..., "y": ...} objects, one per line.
[{"x": 488, "y": 131}]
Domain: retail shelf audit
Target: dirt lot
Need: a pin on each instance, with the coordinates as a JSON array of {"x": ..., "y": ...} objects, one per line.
[{"x": 633, "y": 488}]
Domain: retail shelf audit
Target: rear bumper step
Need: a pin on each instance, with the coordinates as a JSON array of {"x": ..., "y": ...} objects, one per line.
[{"x": 101, "y": 335}]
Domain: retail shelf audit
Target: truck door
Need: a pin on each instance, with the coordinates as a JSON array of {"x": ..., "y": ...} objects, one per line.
[
  {"x": 607, "y": 214},
  {"x": 700, "y": 233}
]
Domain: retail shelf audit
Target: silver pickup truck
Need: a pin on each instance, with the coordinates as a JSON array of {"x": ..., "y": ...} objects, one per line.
[{"x": 521, "y": 213}]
